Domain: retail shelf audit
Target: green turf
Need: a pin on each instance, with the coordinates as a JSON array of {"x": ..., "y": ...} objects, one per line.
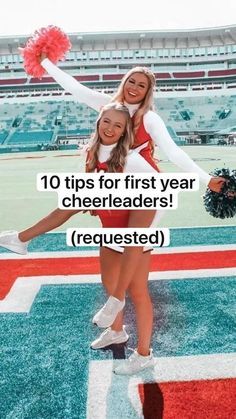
[
  {"x": 204, "y": 236},
  {"x": 45, "y": 354},
  {"x": 21, "y": 204}
]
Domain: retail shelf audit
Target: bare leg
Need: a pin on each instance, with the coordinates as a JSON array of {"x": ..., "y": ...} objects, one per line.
[
  {"x": 140, "y": 296},
  {"x": 53, "y": 220},
  {"x": 110, "y": 269},
  {"x": 140, "y": 218}
]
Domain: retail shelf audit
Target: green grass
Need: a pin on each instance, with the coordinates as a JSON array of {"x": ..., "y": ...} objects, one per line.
[{"x": 22, "y": 205}]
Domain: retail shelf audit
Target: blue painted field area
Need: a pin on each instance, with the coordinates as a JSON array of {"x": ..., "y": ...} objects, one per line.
[
  {"x": 203, "y": 236},
  {"x": 46, "y": 354}
]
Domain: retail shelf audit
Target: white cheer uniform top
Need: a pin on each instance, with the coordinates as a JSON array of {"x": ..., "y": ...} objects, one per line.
[
  {"x": 153, "y": 123},
  {"x": 134, "y": 164}
]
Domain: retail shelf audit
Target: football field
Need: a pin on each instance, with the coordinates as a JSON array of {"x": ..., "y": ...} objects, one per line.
[{"x": 48, "y": 298}]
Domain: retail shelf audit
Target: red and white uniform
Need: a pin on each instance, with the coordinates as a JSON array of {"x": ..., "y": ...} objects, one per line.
[
  {"x": 134, "y": 164},
  {"x": 152, "y": 125},
  {"x": 143, "y": 144}
]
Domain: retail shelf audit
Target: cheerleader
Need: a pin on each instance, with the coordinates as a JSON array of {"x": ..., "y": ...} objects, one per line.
[
  {"x": 110, "y": 152},
  {"x": 136, "y": 92}
]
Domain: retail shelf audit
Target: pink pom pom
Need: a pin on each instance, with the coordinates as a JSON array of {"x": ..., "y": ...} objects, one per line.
[{"x": 51, "y": 41}]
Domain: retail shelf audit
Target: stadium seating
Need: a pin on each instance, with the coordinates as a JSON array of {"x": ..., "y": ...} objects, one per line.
[
  {"x": 41, "y": 122},
  {"x": 34, "y": 137},
  {"x": 3, "y": 136}
]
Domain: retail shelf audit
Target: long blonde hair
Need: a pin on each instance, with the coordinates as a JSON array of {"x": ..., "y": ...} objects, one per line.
[
  {"x": 118, "y": 155},
  {"x": 147, "y": 103}
]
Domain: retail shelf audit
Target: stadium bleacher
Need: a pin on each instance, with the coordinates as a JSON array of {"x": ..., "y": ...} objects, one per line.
[
  {"x": 32, "y": 138},
  {"x": 195, "y": 91},
  {"x": 3, "y": 136}
]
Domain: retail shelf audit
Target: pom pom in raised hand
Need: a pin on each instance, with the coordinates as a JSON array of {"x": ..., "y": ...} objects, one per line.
[
  {"x": 223, "y": 204},
  {"x": 51, "y": 41}
]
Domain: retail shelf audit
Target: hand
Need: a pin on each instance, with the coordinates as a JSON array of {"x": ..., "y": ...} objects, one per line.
[
  {"x": 216, "y": 184},
  {"x": 91, "y": 212},
  {"x": 20, "y": 49},
  {"x": 42, "y": 57}
]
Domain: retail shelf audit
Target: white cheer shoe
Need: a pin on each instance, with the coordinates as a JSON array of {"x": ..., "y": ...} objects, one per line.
[
  {"x": 135, "y": 363},
  {"x": 107, "y": 315},
  {"x": 10, "y": 240},
  {"x": 110, "y": 337}
]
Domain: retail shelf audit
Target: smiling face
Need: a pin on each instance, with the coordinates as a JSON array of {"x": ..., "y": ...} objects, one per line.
[
  {"x": 111, "y": 126},
  {"x": 135, "y": 88}
]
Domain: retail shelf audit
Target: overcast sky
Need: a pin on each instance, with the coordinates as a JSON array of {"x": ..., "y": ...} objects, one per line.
[{"x": 24, "y": 16}]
